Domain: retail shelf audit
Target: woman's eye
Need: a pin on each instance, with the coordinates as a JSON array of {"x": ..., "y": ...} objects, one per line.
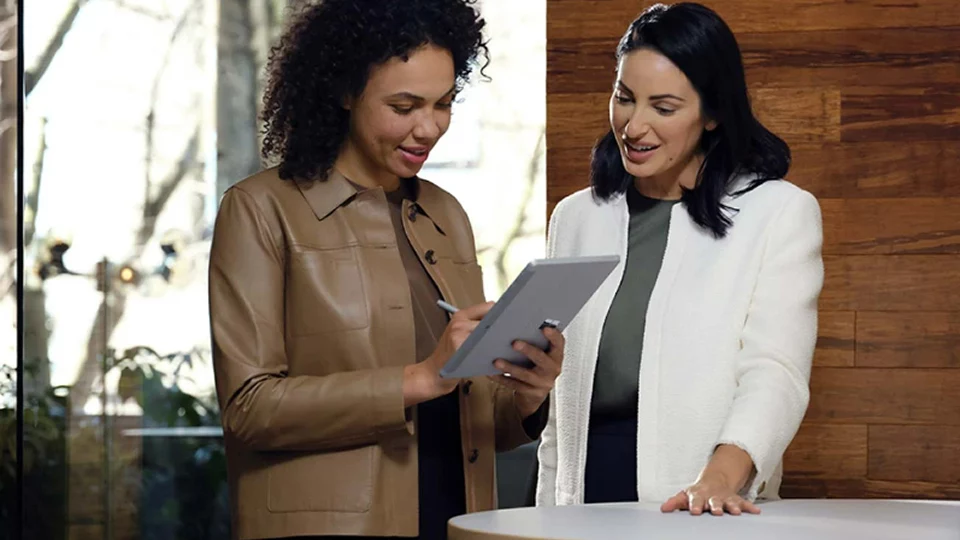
[
  {"x": 447, "y": 105},
  {"x": 402, "y": 110},
  {"x": 621, "y": 98},
  {"x": 664, "y": 111}
]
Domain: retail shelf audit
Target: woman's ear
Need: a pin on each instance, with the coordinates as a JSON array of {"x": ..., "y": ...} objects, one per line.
[{"x": 711, "y": 125}]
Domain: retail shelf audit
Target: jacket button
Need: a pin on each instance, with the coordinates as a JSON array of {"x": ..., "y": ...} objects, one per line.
[
  {"x": 429, "y": 255},
  {"x": 474, "y": 454},
  {"x": 413, "y": 212},
  {"x": 466, "y": 387}
]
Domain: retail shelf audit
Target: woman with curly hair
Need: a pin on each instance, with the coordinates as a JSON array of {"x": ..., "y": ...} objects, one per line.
[{"x": 325, "y": 273}]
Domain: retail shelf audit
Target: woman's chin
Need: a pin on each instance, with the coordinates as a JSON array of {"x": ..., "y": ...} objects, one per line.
[
  {"x": 637, "y": 170},
  {"x": 405, "y": 170}
]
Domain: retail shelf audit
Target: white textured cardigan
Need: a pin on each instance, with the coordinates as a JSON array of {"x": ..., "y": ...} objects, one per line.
[{"x": 729, "y": 338}]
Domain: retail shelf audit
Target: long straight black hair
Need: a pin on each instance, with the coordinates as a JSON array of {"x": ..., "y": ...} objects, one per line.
[{"x": 702, "y": 46}]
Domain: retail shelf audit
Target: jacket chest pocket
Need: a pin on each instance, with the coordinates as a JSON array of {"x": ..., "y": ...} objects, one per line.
[
  {"x": 465, "y": 280},
  {"x": 325, "y": 292}
]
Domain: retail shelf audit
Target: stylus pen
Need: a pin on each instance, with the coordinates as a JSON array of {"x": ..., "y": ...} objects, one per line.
[{"x": 447, "y": 307}]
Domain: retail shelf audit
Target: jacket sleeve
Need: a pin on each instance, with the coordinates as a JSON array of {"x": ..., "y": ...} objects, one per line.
[
  {"x": 261, "y": 406},
  {"x": 547, "y": 451},
  {"x": 512, "y": 430},
  {"x": 779, "y": 337}
]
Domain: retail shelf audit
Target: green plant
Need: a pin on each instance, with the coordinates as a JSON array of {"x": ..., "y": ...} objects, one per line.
[
  {"x": 43, "y": 459},
  {"x": 182, "y": 478},
  {"x": 155, "y": 380}
]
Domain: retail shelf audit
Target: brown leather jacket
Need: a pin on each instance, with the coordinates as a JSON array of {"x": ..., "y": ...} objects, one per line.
[{"x": 311, "y": 327}]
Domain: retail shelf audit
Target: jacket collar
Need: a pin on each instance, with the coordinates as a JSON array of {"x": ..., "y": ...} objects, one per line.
[{"x": 326, "y": 196}]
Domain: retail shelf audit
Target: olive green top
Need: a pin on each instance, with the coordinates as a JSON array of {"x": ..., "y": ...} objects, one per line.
[{"x": 616, "y": 383}]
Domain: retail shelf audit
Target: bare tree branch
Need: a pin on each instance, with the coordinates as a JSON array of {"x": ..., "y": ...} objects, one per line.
[
  {"x": 144, "y": 11},
  {"x": 155, "y": 89},
  {"x": 8, "y": 143},
  {"x": 9, "y": 278},
  {"x": 275, "y": 17},
  {"x": 238, "y": 153},
  {"x": 260, "y": 32},
  {"x": 32, "y": 76},
  {"x": 108, "y": 315},
  {"x": 112, "y": 307},
  {"x": 517, "y": 231},
  {"x": 153, "y": 206},
  {"x": 7, "y": 26},
  {"x": 33, "y": 196}
]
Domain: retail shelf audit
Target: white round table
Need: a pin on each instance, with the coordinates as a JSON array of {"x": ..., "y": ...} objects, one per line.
[{"x": 794, "y": 519}]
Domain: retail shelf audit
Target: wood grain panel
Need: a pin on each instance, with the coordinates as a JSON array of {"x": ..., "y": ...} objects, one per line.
[
  {"x": 886, "y": 57},
  {"x": 580, "y": 19},
  {"x": 880, "y": 169},
  {"x": 920, "y": 453},
  {"x": 908, "y": 340},
  {"x": 581, "y": 66},
  {"x": 891, "y": 226},
  {"x": 890, "y": 283},
  {"x": 798, "y": 486},
  {"x": 836, "y": 339},
  {"x": 827, "y": 451},
  {"x": 901, "y": 114},
  {"x": 796, "y": 114},
  {"x": 867, "y": 94},
  {"x": 884, "y": 396},
  {"x": 577, "y": 120},
  {"x": 568, "y": 170},
  {"x": 799, "y": 114}
]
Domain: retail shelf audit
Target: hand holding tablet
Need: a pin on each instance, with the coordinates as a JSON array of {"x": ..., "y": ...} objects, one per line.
[{"x": 547, "y": 293}]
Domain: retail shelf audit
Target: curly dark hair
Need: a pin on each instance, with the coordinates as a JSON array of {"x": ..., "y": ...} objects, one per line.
[{"x": 326, "y": 54}]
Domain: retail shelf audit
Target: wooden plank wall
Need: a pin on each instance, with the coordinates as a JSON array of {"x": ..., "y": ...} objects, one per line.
[{"x": 867, "y": 93}]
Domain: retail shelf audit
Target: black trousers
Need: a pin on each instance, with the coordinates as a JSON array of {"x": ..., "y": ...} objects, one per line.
[{"x": 611, "y": 472}]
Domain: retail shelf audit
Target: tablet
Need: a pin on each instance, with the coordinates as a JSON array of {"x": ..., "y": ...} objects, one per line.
[{"x": 548, "y": 292}]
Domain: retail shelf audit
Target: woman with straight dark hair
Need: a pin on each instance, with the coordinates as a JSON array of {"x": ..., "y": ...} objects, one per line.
[{"x": 687, "y": 374}]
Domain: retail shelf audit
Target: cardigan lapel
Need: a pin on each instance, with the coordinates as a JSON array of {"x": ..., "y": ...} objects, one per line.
[
  {"x": 607, "y": 232},
  {"x": 606, "y": 235},
  {"x": 648, "y": 414}
]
